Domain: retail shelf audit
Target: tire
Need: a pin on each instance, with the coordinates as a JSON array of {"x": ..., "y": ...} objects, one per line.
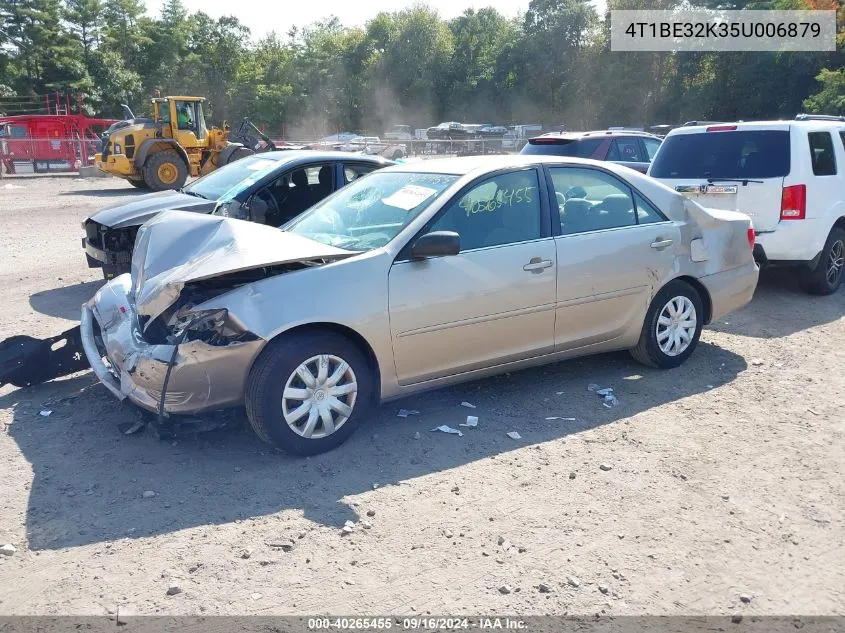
[
  {"x": 241, "y": 152},
  {"x": 826, "y": 277},
  {"x": 275, "y": 371},
  {"x": 138, "y": 184},
  {"x": 648, "y": 351},
  {"x": 165, "y": 170},
  {"x": 110, "y": 272}
]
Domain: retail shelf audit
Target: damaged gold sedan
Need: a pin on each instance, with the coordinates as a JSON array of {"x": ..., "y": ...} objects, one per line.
[{"x": 414, "y": 277}]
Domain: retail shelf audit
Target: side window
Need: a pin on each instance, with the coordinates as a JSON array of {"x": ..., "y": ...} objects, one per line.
[
  {"x": 18, "y": 131},
  {"x": 646, "y": 213},
  {"x": 821, "y": 153},
  {"x": 651, "y": 147},
  {"x": 504, "y": 209},
  {"x": 591, "y": 200},
  {"x": 352, "y": 171},
  {"x": 626, "y": 148}
]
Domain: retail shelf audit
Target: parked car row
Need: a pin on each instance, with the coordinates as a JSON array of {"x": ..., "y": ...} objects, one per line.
[{"x": 412, "y": 277}]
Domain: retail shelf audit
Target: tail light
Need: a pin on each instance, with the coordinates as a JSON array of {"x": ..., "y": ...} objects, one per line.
[
  {"x": 721, "y": 128},
  {"x": 751, "y": 237},
  {"x": 793, "y": 203}
]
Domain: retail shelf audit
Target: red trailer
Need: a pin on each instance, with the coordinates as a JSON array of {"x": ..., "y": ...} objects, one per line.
[{"x": 59, "y": 141}]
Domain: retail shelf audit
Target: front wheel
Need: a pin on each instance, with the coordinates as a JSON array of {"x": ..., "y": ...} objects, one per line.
[
  {"x": 165, "y": 170},
  {"x": 672, "y": 327},
  {"x": 306, "y": 394},
  {"x": 826, "y": 277}
]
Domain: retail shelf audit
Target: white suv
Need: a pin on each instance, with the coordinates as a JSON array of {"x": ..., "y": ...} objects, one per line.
[{"x": 789, "y": 176}]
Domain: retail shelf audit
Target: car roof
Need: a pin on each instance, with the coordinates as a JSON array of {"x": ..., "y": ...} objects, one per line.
[
  {"x": 295, "y": 156},
  {"x": 761, "y": 125},
  {"x": 468, "y": 164},
  {"x": 574, "y": 136}
]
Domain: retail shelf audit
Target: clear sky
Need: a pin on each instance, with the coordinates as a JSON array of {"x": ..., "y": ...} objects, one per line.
[{"x": 263, "y": 16}]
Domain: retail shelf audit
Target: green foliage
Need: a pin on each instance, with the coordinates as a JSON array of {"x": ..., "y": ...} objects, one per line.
[{"x": 552, "y": 65}]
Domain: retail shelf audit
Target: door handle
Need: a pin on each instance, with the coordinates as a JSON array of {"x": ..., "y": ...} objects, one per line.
[
  {"x": 661, "y": 243},
  {"x": 537, "y": 264}
]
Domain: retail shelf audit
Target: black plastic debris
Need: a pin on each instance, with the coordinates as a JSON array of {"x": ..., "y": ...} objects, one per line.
[{"x": 26, "y": 361}]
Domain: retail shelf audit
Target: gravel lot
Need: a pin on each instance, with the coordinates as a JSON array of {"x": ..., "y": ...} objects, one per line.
[{"x": 719, "y": 479}]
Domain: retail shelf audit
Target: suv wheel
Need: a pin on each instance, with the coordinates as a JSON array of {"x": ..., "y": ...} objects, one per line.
[{"x": 826, "y": 277}]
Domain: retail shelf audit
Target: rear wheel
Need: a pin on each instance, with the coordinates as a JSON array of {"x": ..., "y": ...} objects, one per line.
[
  {"x": 138, "y": 184},
  {"x": 306, "y": 394},
  {"x": 672, "y": 327},
  {"x": 165, "y": 170},
  {"x": 826, "y": 277}
]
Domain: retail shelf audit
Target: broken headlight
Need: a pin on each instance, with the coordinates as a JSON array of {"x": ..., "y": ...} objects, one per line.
[{"x": 212, "y": 326}]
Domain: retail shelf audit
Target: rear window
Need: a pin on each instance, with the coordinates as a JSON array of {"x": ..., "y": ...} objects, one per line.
[
  {"x": 752, "y": 154},
  {"x": 579, "y": 148}
]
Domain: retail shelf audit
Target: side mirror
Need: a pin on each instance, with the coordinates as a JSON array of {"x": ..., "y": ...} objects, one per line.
[{"x": 436, "y": 244}]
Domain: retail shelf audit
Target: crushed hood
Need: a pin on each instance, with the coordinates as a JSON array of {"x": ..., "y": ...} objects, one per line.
[
  {"x": 139, "y": 209},
  {"x": 179, "y": 247}
]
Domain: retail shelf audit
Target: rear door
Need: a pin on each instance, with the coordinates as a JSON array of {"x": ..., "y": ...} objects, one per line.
[
  {"x": 628, "y": 151},
  {"x": 729, "y": 167}
]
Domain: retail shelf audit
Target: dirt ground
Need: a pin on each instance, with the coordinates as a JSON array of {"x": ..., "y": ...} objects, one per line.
[{"x": 719, "y": 479}]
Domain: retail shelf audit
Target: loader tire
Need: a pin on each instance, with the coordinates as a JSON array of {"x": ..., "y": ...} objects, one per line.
[
  {"x": 138, "y": 184},
  {"x": 165, "y": 170},
  {"x": 241, "y": 152}
]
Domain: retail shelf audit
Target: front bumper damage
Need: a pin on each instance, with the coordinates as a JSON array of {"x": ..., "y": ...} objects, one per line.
[{"x": 202, "y": 377}]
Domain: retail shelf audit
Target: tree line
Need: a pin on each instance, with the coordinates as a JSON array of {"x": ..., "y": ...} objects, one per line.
[{"x": 551, "y": 65}]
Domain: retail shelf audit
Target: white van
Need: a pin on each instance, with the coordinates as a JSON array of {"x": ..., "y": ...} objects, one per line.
[{"x": 789, "y": 176}]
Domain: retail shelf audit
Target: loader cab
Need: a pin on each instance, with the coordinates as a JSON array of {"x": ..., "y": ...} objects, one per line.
[{"x": 185, "y": 117}]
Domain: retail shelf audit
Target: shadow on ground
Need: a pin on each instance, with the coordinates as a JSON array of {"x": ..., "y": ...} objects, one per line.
[
  {"x": 64, "y": 302},
  {"x": 111, "y": 192},
  {"x": 781, "y": 308},
  {"x": 89, "y": 479}
]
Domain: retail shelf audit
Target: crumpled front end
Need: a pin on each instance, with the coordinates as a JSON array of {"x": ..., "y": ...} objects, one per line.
[{"x": 207, "y": 361}]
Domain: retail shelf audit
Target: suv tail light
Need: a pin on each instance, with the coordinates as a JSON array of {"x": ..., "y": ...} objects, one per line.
[
  {"x": 793, "y": 203},
  {"x": 751, "y": 237},
  {"x": 721, "y": 128}
]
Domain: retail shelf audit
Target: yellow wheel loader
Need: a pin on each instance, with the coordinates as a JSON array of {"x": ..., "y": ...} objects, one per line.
[{"x": 160, "y": 153}]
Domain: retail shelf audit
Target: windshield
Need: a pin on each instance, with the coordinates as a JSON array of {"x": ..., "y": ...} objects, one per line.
[
  {"x": 233, "y": 178},
  {"x": 576, "y": 147},
  {"x": 753, "y": 154},
  {"x": 371, "y": 211}
]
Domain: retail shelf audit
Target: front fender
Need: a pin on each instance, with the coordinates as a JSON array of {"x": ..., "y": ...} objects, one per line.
[{"x": 149, "y": 146}]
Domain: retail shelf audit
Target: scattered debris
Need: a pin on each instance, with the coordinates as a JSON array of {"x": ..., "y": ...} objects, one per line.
[
  {"x": 245, "y": 554},
  {"x": 544, "y": 588},
  {"x": 505, "y": 589},
  {"x": 173, "y": 590},
  {"x": 572, "y": 475},
  {"x": 448, "y": 429},
  {"x": 514, "y": 435},
  {"x": 745, "y": 598},
  {"x": 417, "y": 435},
  {"x": 573, "y": 581},
  {"x": 348, "y": 528},
  {"x": 813, "y": 412},
  {"x": 136, "y": 426},
  {"x": 757, "y": 362},
  {"x": 605, "y": 467},
  {"x": 554, "y": 417},
  {"x": 610, "y": 400},
  {"x": 46, "y": 413},
  {"x": 366, "y": 525},
  {"x": 471, "y": 423},
  {"x": 8, "y": 550},
  {"x": 448, "y": 533},
  {"x": 148, "y": 494},
  {"x": 604, "y": 588},
  {"x": 404, "y": 413},
  {"x": 468, "y": 405},
  {"x": 371, "y": 513},
  {"x": 286, "y": 545}
]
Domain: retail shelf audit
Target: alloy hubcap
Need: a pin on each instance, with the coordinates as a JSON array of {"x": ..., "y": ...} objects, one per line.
[
  {"x": 319, "y": 396},
  {"x": 836, "y": 259},
  {"x": 676, "y": 326}
]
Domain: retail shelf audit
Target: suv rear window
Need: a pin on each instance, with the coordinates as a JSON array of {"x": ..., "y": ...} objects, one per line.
[
  {"x": 752, "y": 154},
  {"x": 579, "y": 148}
]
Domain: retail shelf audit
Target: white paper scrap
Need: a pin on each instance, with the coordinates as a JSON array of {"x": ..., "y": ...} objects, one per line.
[{"x": 448, "y": 429}]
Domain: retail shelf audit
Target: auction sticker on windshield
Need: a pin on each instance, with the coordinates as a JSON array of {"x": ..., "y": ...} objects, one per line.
[{"x": 409, "y": 197}]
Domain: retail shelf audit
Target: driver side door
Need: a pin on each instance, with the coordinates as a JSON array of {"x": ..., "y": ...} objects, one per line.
[{"x": 492, "y": 303}]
